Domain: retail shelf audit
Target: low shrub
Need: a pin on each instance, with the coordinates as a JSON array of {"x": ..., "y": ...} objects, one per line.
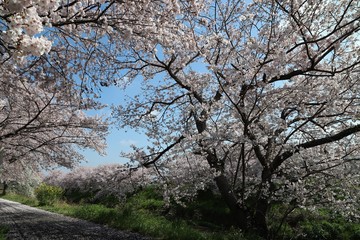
[
  {"x": 354, "y": 231},
  {"x": 207, "y": 210},
  {"x": 320, "y": 230},
  {"x": 47, "y": 194},
  {"x": 77, "y": 196}
]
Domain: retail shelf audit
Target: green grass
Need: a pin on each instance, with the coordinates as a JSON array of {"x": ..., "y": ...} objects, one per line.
[
  {"x": 21, "y": 199},
  {"x": 206, "y": 218},
  {"x": 143, "y": 213},
  {"x": 321, "y": 224}
]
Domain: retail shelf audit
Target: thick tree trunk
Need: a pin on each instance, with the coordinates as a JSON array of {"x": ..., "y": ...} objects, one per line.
[
  {"x": 230, "y": 199},
  {"x": 259, "y": 218},
  {"x": 257, "y": 221}
]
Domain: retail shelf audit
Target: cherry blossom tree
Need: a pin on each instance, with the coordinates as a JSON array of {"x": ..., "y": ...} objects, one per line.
[
  {"x": 54, "y": 56},
  {"x": 266, "y": 93},
  {"x": 104, "y": 180},
  {"x": 41, "y": 127}
]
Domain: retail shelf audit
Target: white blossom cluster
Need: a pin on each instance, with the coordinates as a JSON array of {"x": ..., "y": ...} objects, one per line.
[
  {"x": 42, "y": 124},
  {"x": 180, "y": 182},
  {"x": 183, "y": 179},
  {"x": 25, "y": 25}
]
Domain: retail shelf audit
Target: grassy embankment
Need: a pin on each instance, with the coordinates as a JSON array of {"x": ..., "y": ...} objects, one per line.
[
  {"x": 206, "y": 218},
  {"x": 145, "y": 212}
]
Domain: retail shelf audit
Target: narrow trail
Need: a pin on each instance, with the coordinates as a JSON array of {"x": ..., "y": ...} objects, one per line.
[{"x": 30, "y": 223}]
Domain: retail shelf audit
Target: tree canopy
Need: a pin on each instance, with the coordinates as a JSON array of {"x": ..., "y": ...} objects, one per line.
[
  {"x": 55, "y": 55},
  {"x": 265, "y": 93},
  {"x": 257, "y": 97}
]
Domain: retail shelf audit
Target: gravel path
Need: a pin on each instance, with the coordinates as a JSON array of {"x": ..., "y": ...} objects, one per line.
[{"x": 30, "y": 223}]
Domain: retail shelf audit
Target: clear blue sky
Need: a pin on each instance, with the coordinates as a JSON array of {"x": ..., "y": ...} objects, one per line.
[{"x": 118, "y": 140}]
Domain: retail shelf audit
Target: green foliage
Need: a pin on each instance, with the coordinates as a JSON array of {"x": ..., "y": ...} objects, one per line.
[
  {"x": 354, "y": 229},
  {"x": 77, "y": 196},
  {"x": 207, "y": 210},
  {"x": 301, "y": 224},
  {"x": 332, "y": 230},
  {"x": 47, "y": 194},
  {"x": 149, "y": 198},
  {"x": 206, "y": 217},
  {"x": 3, "y": 231},
  {"x": 322, "y": 230},
  {"x": 143, "y": 212},
  {"x": 144, "y": 221},
  {"x": 74, "y": 196},
  {"x": 147, "y": 212},
  {"x": 109, "y": 201}
]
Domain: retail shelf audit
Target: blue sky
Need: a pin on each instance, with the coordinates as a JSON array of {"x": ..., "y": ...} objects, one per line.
[{"x": 118, "y": 140}]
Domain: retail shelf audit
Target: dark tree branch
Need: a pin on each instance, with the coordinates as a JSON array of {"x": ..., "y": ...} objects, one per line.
[
  {"x": 314, "y": 143},
  {"x": 160, "y": 154}
]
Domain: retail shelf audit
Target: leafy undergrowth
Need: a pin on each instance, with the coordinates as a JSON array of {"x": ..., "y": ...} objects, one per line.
[
  {"x": 3, "y": 231},
  {"x": 206, "y": 218},
  {"x": 320, "y": 225}
]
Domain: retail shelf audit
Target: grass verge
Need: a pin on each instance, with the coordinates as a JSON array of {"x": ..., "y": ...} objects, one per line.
[
  {"x": 141, "y": 213},
  {"x": 21, "y": 199},
  {"x": 146, "y": 213}
]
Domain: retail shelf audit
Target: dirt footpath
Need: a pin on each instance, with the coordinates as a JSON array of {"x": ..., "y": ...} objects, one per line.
[{"x": 30, "y": 223}]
